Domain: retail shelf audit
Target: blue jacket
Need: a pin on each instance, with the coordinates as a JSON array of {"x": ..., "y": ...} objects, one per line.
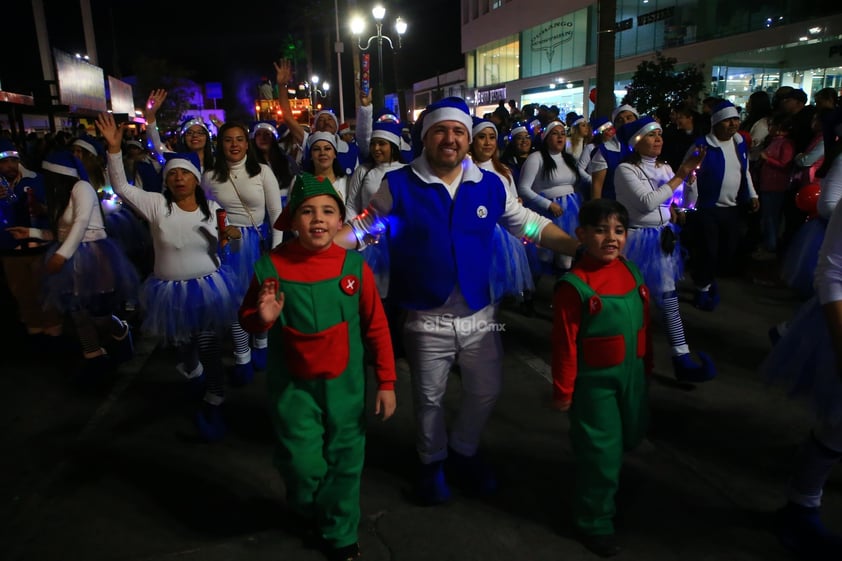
[{"x": 436, "y": 241}]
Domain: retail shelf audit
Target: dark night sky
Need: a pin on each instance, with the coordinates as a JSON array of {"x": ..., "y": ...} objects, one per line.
[{"x": 235, "y": 46}]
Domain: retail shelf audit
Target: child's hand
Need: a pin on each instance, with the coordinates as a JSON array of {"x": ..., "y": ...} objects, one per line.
[
  {"x": 562, "y": 404},
  {"x": 385, "y": 403},
  {"x": 270, "y": 302}
]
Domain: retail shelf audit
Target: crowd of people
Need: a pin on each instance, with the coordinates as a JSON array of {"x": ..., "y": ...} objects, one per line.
[{"x": 301, "y": 249}]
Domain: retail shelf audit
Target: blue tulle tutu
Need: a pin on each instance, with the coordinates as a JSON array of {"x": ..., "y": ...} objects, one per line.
[
  {"x": 568, "y": 221},
  {"x": 97, "y": 272},
  {"x": 241, "y": 255},
  {"x": 177, "y": 310},
  {"x": 510, "y": 269},
  {"x": 124, "y": 227},
  {"x": 804, "y": 363},
  {"x": 660, "y": 272},
  {"x": 377, "y": 257},
  {"x": 799, "y": 266}
]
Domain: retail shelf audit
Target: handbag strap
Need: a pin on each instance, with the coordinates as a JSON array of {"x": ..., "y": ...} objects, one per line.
[{"x": 245, "y": 206}]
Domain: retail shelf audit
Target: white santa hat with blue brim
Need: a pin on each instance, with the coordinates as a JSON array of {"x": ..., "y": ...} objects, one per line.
[
  {"x": 321, "y": 135},
  {"x": 326, "y": 112},
  {"x": 723, "y": 110},
  {"x": 266, "y": 126},
  {"x": 90, "y": 144},
  {"x": 64, "y": 163},
  {"x": 182, "y": 160},
  {"x": 620, "y": 109},
  {"x": 550, "y": 126},
  {"x": 448, "y": 109},
  {"x": 578, "y": 121},
  {"x": 387, "y": 130},
  {"x": 517, "y": 130},
  {"x": 8, "y": 149}
]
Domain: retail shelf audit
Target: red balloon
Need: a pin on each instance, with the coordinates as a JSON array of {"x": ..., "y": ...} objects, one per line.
[
  {"x": 592, "y": 95},
  {"x": 807, "y": 199}
]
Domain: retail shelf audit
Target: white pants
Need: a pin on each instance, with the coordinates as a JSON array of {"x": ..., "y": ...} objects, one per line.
[{"x": 433, "y": 342}]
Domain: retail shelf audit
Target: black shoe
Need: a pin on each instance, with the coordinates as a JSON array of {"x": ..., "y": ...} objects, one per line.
[
  {"x": 605, "y": 545},
  {"x": 471, "y": 473}
]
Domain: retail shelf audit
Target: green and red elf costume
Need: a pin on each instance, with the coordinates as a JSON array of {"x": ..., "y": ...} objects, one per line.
[
  {"x": 602, "y": 355},
  {"x": 332, "y": 317}
]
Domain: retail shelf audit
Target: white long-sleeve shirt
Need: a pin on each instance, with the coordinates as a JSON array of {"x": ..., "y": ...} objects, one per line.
[
  {"x": 538, "y": 192},
  {"x": 362, "y": 186},
  {"x": 828, "y": 279},
  {"x": 80, "y": 222},
  {"x": 184, "y": 242},
  {"x": 831, "y": 191},
  {"x": 259, "y": 197},
  {"x": 643, "y": 190}
]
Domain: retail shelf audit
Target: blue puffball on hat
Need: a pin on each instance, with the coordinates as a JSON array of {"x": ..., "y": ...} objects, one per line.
[
  {"x": 723, "y": 110},
  {"x": 182, "y": 160},
  {"x": 481, "y": 124},
  {"x": 387, "y": 130},
  {"x": 631, "y": 133},
  {"x": 448, "y": 109},
  {"x": 267, "y": 126},
  {"x": 8, "y": 149},
  {"x": 90, "y": 144},
  {"x": 601, "y": 124},
  {"x": 63, "y": 162}
]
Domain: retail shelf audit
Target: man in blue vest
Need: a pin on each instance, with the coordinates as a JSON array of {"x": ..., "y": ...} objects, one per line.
[
  {"x": 723, "y": 183},
  {"x": 439, "y": 213},
  {"x": 608, "y": 155}
]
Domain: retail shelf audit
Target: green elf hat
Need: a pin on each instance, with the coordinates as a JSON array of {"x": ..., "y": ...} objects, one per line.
[{"x": 305, "y": 186}]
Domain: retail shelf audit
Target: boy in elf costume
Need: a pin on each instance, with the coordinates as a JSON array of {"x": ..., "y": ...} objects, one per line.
[
  {"x": 602, "y": 345},
  {"x": 321, "y": 307}
]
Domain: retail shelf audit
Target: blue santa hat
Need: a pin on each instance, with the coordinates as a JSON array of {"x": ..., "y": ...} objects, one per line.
[
  {"x": 631, "y": 133},
  {"x": 8, "y": 149},
  {"x": 326, "y": 112},
  {"x": 385, "y": 114},
  {"x": 480, "y": 124},
  {"x": 601, "y": 124},
  {"x": 64, "y": 163},
  {"x": 578, "y": 121},
  {"x": 387, "y": 130},
  {"x": 90, "y": 144},
  {"x": 517, "y": 128},
  {"x": 723, "y": 110},
  {"x": 624, "y": 107},
  {"x": 534, "y": 127},
  {"x": 183, "y": 160},
  {"x": 550, "y": 126},
  {"x": 448, "y": 109},
  {"x": 266, "y": 126},
  {"x": 314, "y": 137}
]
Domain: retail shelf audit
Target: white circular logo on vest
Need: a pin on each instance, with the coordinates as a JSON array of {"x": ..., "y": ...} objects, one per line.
[{"x": 482, "y": 212}]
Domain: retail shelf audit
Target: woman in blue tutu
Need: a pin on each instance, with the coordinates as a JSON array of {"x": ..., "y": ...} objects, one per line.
[
  {"x": 189, "y": 300},
  {"x": 547, "y": 184},
  {"x": 647, "y": 186},
  {"x": 89, "y": 278},
  {"x": 511, "y": 274},
  {"x": 807, "y": 361}
]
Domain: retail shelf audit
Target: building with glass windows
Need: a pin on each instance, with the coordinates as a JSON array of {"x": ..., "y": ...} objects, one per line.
[{"x": 545, "y": 51}]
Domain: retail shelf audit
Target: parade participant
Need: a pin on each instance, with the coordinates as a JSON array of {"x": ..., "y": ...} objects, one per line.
[
  {"x": 807, "y": 361},
  {"x": 510, "y": 268},
  {"x": 517, "y": 149},
  {"x": 723, "y": 182},
  {"x": 89, "y": 278},
  {"x": 608, "y": 155},
  {"x": 602, "y": 355},
  {"x": 603, "y": 131},
  {"x": 321, "y": 160},
  {"x": 320, "y": 305},
  {"x": 251, "y": 197},
  {"x": 441, "y": 211},
  {"x": 189, "y": 300},
  {"x": 195, "y": 134},
  {"x": 548, "y": 184},
  {"x": 646, "y": 186},
  {"x": 23, "y": 205}
]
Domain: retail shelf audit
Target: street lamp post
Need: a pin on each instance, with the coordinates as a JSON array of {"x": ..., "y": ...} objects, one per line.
[
  {"x": 357, "y": 28},
  {"x": 313, "y": 91}
]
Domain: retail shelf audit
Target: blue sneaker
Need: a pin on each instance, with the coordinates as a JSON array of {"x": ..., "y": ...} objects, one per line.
[
  {"x": 242, "y": 375},
  {"x": 800, "y": 529},
  {"x": 471, "y": 473},
  {"x": 209, "y": 422},
  {"x": 259, "y": 358},
  {"x": 432, "y": 488},
  {"x": 688, "y": 370}
]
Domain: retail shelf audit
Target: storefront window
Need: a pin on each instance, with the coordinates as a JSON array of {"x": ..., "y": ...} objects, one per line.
[
  {"x": 558, "y": 44},
  {"x": 498, "y": 62}
]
